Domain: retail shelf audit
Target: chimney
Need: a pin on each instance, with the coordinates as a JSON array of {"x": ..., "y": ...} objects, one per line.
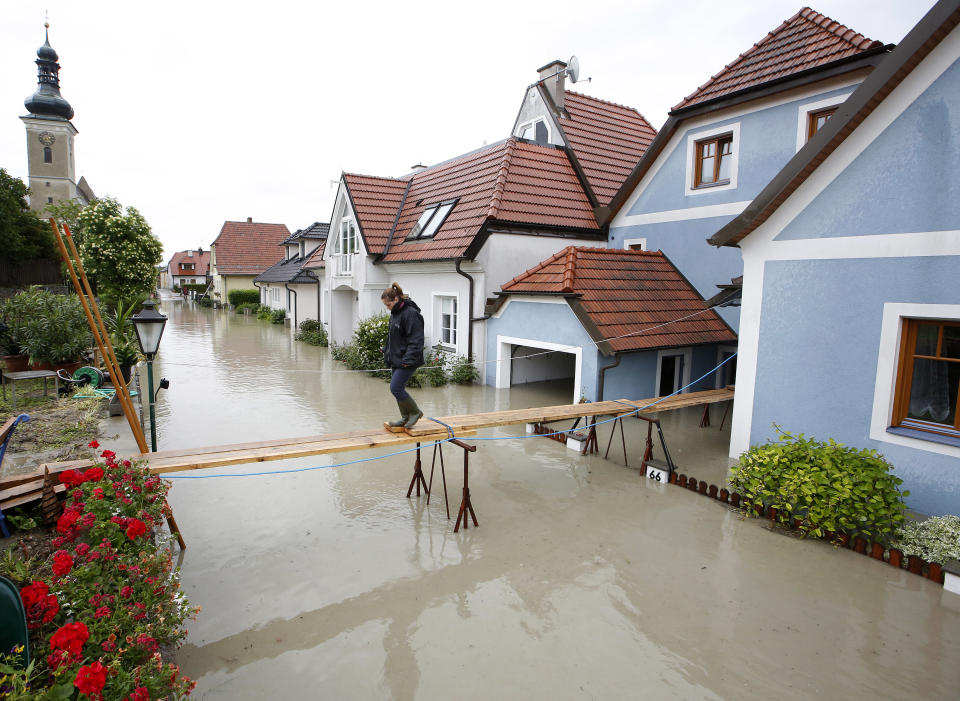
[
  {"x": 199, "y": 250},
  {"x": 553, "y": 76},
  {"x": 249, "y": 220}
]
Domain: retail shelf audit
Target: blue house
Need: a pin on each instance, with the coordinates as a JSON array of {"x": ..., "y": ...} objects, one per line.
[
  {"x": 613, "y": 323},
  {"x": 850, "y": 317},
  {"x": 723, "y": 143}
]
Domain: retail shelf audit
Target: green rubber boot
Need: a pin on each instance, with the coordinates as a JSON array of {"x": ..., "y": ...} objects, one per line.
[
  {"x": 414, "y": 415},
  {"x": 404, "y": 414}
]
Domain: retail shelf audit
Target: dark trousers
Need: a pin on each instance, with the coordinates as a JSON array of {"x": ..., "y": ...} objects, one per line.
[{"x": 398, "y": 382}]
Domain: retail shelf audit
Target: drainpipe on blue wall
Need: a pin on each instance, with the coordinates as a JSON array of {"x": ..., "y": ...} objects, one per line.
[
  {"x": 469, "y": 309},
  {"x": 603, "y": 372},
  {"x": 287, "y": 285}
]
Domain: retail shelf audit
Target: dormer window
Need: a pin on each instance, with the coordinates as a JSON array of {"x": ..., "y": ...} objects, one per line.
[
  {"x": 536, "y": 131},
  {"x": 431, "y": 220}
]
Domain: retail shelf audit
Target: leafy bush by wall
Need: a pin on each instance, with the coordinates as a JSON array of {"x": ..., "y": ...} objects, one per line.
[
  {"x": 463, "y": 371},
  {"x": 237, "y": 297},
  {"x": 277, "y": 316},
  {"x": 828, "y": 486},
  {"x": 48, "y": 327},
  {"x": 312, "y": 332}
]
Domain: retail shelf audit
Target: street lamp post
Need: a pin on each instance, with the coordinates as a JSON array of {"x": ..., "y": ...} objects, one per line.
[{"x": 148, "y": 324}]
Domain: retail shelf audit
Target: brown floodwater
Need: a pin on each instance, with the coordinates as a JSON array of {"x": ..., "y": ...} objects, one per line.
[{"x": 582, "y": 581}]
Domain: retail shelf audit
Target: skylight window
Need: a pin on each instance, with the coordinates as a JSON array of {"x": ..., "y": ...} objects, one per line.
[{"x": 431, "y": 220}]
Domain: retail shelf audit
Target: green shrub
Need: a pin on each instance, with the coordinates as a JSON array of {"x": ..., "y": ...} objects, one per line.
[
  {"x": 431, "y": 373},
  {"x": 828, "y": 486},
  {"x": 198, "y": 287},
  {"x": 463, "y": 371},
  {"x": 48, "y": 327},
  {"x": 205, "y": 302},
  {"x": 238, "y": 297},
  {"x": 311, "y": 331},
  {"x": 365, "y": 351},
  {"x": 264, "y": 312},
  {"x": 277, "y": 316},
  {"x": 176, "y": 289},
  {"x": 936, "y": 540},
  {"x": 252, "y": 306}
]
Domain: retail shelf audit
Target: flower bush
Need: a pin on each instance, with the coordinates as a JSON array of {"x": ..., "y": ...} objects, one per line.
[
  {"x": 936, "y": 540},
  {"x": 112, "y": 599},
  {"x": 312, "y": 332}
]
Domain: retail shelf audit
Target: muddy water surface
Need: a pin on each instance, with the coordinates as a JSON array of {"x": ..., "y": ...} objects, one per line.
[{"x": 582, "y": 581}]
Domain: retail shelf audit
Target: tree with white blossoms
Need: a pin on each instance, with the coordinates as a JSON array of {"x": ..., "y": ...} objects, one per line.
[{"x": 118, "y": 251}]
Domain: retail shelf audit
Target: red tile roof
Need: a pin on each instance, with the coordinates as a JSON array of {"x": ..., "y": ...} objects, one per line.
[
  {"x": 509, "y": 182},
  {"x": 626, "y": 295},
  {"x": 315, "y": 259},
  {"x": 375, "y": 201},
  {"x": 806, "y": 40},
  {"x": 201, "y": 260},
  {"x": 607, "y": 140},
  {"x": 248, "y": 248}
]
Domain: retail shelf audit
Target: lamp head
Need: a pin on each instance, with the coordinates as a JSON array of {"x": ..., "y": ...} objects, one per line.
[{"x": 148, "y": 324}]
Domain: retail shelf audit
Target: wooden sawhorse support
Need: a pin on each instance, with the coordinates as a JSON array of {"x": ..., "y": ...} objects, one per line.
[
  {"x": 466, "y": 508},
  {"x": 418, "y": 478}
]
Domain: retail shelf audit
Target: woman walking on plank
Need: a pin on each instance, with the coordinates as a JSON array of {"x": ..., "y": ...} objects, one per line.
[{"x": 404, "y": 351}]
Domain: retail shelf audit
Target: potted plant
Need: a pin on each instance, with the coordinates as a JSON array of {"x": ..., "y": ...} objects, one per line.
[
  {"x": 53, "y": 328},
  {"x": 123, "y": 337}
]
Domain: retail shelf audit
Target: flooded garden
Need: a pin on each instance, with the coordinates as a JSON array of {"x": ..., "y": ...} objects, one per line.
[{"x": 582, "y": 581}]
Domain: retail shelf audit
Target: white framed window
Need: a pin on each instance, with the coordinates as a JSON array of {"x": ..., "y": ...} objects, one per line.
[
  {"x": 634, "y": 244},
  {"x": 891, "y": 378},
  {"x": 447, "y": 321},
  {"x": 536, "y": 130},
  {"x": 713, "y": 157},
  {"x": 812, "y": 115},
  {"x": 345, "y": 246}
]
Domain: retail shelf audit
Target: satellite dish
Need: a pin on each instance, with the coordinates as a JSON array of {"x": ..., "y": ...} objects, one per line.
[{"x": 573, "y": 69}]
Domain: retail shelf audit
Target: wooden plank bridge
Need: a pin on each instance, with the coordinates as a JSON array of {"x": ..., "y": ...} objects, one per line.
[{"x": 24, "y": 488}]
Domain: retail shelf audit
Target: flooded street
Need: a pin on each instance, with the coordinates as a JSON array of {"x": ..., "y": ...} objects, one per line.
[{"x": 583, "y": 580}]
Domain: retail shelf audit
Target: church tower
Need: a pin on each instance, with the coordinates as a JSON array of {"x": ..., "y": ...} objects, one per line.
[{"x": 50, "y": 135}]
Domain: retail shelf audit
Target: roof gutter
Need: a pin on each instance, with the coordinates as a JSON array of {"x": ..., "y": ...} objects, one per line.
[
  {"x": 287, "y": 286},
  {"x": 603, "y": 375}
]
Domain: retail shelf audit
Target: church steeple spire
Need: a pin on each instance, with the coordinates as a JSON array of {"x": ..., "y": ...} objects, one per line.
[{"x": 47, "y": 100}]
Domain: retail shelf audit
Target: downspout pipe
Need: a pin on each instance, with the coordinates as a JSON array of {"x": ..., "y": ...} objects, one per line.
[
  {"x": 469, "y": 308},
  {"x": 603, "y": 374},
  {"x": 287, "y": 286},
  {"x": 261, "y": 290}
]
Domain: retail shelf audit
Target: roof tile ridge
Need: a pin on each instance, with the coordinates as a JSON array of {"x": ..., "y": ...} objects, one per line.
[
  {"x": 600, "y": 99},
  {"x": 838, "y": 29},
  {"x": 569, "y": 269},
  {"x": 540, "y": 266},
  {"x": 375, "y": 177},
  {"x": 494, "y": 209},
  {"x": 740, "y": 57}
]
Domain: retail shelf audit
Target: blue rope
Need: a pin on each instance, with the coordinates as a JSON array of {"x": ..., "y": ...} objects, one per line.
[{"x": 449, "y": 428}]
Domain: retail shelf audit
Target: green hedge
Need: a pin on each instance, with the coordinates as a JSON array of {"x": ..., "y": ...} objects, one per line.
[
  {"x": 821, "y": 486},
  {"x": 199, "y": 287},
  {"x": 238, "y": 297},
  {"x": 312, "y": 332}
]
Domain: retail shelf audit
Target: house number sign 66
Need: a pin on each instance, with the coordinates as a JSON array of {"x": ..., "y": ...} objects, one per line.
[{"x": 657, "y": 475}]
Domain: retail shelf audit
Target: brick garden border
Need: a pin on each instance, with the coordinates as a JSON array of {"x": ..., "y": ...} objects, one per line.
[{"x": 892, "y": 556}]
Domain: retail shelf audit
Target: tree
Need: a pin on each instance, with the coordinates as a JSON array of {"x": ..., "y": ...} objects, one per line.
[
  {"x": 119, "y": 251},
  {"x": 68, "y": 212},
  {"x": 22, "y": 235}
]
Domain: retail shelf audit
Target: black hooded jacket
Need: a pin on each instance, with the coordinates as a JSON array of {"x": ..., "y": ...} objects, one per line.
[{"x": 405, "y": 336}]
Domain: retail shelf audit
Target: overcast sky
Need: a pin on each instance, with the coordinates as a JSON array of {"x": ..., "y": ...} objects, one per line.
[{"x": 199, "y": 112}]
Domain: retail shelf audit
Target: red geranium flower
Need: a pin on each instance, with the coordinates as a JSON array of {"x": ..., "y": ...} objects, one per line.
[
  {"x": 70, "y": 638},
  {"x": 147, "y": 642},
  {"x": 108, "y": 455},
  {"x": 66, "y": 521},
  {"x": 93, "y": 474},
  {"x": 91, "y": 679},
  {"x": 70, "y": 477},
  {"x": 135, "y": 528},
  {"x": 62, "y": 563},
  {"x": 126, "y": 592},
  {"x": 41, "y": 606},
  {"x": 93, "y": 443},
  {"x": 139, "y": 694},
  {"x": 102, "y": 612}
]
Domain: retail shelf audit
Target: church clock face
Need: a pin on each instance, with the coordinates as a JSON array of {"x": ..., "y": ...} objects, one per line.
[{"x": 47, "y": 139}]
